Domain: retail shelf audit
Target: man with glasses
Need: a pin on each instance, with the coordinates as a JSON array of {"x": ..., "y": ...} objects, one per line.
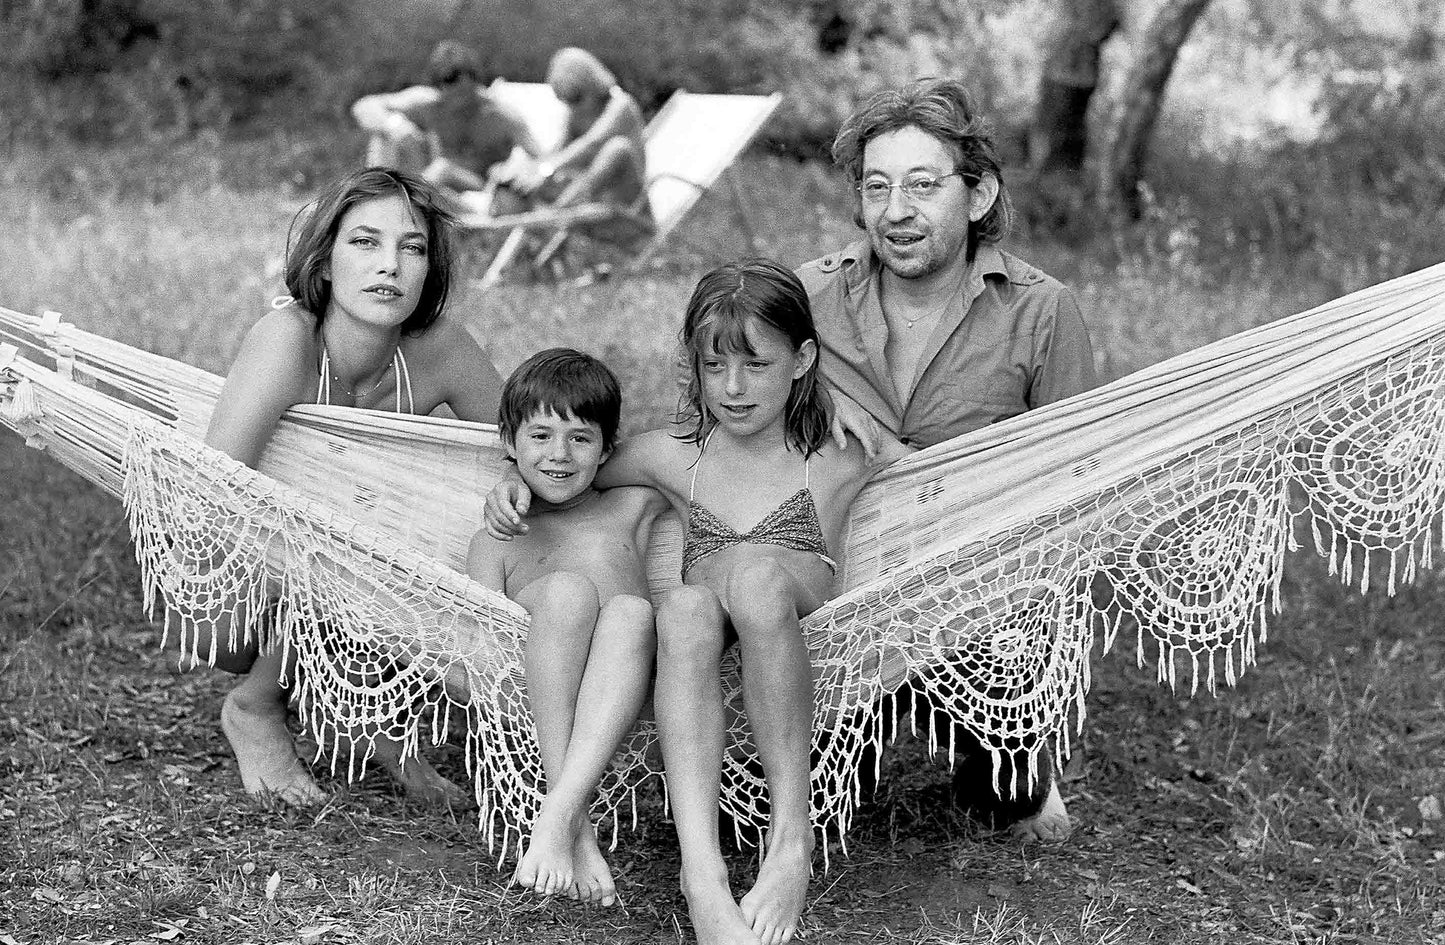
[
  {"x": 451, "y": 131},
  {"x": 929, "y": 330}
]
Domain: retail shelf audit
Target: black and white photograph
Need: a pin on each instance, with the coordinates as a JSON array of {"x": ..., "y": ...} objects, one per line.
[{"x": 732, "y": 472}]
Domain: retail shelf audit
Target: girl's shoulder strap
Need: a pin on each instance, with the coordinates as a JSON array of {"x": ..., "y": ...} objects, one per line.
[{"x": 701, "y": 447}]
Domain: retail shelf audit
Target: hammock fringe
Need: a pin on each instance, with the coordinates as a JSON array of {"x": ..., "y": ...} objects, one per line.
[{"x": 978, "y": 574}]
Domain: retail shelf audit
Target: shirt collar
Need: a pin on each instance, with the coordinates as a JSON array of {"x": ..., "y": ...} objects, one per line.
[{"x": 988, "y": 261}]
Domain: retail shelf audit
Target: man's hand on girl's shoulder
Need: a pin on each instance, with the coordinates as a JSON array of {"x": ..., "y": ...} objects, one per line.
[{"x": 848, "y": 417}]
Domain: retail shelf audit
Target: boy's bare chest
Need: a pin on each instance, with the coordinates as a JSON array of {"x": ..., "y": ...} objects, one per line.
[{"x": 610, "y": 557}]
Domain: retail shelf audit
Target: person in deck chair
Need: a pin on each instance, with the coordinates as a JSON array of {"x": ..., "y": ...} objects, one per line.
[
  {"x": 602, "y": 157},
  {"x": 452, "y": 130}
]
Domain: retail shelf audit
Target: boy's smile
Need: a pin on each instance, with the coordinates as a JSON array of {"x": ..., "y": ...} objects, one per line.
[{"x": 557, "y": 457}]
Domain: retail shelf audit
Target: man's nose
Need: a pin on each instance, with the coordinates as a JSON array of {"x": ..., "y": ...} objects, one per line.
[{"x": 899, "y": 206}]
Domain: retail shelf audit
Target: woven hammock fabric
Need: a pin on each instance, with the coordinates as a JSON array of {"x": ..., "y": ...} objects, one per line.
[{"x": 980, "y": 571}]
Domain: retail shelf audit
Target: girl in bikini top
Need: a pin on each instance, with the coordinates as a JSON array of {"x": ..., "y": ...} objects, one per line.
[{"x": 793, "y": 524}]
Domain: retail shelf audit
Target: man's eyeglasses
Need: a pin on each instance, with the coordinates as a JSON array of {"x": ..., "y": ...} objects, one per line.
[{"x": 917, "y": 187}]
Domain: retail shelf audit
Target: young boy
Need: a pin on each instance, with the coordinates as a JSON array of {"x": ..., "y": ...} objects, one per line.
[{"x": 580, "y": 572}]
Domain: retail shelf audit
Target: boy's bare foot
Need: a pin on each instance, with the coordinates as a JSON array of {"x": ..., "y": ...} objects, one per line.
[
  {"x": 546, "y": 867},
  {"x": 421, "y": 782},
  {"x": 716, "y": 918},
  {"x": 590, "y": 870},
  {"x": 1050, "y": 823},
  {"x": 266, "y": 754},
  {"x": 775, "y": 903}
]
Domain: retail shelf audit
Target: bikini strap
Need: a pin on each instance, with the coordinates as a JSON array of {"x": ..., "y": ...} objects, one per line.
[
  {"x": 323, "y": 384},
  {"x": 693, "y": 488},
  {"x": 806, "y": 477},
  {"x": 403, "y": 376}
]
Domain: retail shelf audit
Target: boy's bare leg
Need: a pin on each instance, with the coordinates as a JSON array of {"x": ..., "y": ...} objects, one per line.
[
  {"x": 613, "y": 688},
  {"x": 778, "y": 695},
  {"x": 253, "y": 718},
  {"x": 564, "y": 612},
  {"x": 688, "y": 701}
]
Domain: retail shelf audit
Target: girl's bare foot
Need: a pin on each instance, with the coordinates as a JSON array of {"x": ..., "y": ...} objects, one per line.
[
  {"x": 716, "y": 918},
  {"x": 266, "y": 754},
  {"x": 775, "y": 903},
  {"x": 546, "y": 867},
  {"x": 591, "y": 873},
  {"x": 1050, "y": 823}
]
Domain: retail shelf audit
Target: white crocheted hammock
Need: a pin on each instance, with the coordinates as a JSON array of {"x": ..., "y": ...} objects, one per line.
[{"x": 974, "y": 569}]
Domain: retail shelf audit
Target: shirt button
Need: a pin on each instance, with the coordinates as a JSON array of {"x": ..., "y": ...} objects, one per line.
[{"x": 906, "y": 441}]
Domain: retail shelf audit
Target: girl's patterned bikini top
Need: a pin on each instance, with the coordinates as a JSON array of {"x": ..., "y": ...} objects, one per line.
[{"x": 793, "y": 524}]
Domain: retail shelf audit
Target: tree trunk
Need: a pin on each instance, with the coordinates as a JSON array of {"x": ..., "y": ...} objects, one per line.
[
  {"x": 1140, "y": 99},
  {"x": 1058, "y": 137}
]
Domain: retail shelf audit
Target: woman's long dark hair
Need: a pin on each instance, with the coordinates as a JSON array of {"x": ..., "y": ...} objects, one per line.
[{"x": 716, "y": 320}]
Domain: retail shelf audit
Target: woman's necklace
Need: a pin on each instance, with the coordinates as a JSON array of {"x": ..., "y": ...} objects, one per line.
[{"x": 355, "y": 394}]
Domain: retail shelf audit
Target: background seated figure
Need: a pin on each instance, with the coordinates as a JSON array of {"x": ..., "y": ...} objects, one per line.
[
  {"x": 452, "y": 131},
  {"x": 602, "y": 157}
]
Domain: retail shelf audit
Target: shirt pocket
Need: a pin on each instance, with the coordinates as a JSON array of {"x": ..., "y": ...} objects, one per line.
[{"x": 951, "y": 408}]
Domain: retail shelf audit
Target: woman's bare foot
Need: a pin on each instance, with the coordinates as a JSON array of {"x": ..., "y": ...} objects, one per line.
[
  {"x": 775, "y": 903},
  {"x": 266, "y": 754},
  {"x": 1050, "y": 823},
  {"x": 716, "y": 918},
  {"x": 546, "y": 867},
  {"x": 590, "y": 870}
]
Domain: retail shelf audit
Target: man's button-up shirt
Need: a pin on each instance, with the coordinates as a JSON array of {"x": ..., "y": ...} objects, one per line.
[{"x": 1011, "y": 341}]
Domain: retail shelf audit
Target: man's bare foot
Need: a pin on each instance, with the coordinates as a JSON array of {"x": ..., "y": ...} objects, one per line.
[
  {"x": 590, "y": 871},
  {"x": 546, "y": 867},
  {"x": 716, "y": 918},
  {"x": 421, "y": 782},
  {"x": 1050, "y": 823},
  {"x": 775, "y": 903},
  {"x": 266, "y": 754}
]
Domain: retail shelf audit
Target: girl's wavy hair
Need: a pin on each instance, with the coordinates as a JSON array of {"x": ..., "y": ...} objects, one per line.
[
  {"x": 716, "y": 320},
  {"x": 944, "y": 109},
  {"x": 313, "y": 231}
]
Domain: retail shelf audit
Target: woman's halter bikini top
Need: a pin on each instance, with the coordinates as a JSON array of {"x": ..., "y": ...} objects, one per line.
[
  {"x": 323, "y": 384},
  {"x": 793, "y": 524},
  {"x": 398, "y": 364}
]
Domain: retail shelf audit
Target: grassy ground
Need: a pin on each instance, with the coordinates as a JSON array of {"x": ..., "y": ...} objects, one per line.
[{"x": 1296, "y": 808}]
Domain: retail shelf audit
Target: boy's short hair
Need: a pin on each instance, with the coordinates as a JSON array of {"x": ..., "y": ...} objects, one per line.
[{"x": 569, "y": 384}]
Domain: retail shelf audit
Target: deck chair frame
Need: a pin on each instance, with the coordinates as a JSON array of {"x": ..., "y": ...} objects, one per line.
[{"x": 562, "y": 221}]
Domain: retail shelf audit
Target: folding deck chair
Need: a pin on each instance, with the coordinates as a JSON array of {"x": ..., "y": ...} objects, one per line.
[{"x": 692, "y": 142}]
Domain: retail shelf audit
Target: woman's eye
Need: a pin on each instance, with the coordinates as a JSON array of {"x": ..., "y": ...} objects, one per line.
[
  {"x": 363, "y": 241},
  {"x": 416, "y": 249}
]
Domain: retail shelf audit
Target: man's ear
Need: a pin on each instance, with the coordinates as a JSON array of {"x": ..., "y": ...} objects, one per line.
[
  {"x": 509, "y": 442},
  {"x": 982, "y": 196},
  {"x": 805, "y": 358}
]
